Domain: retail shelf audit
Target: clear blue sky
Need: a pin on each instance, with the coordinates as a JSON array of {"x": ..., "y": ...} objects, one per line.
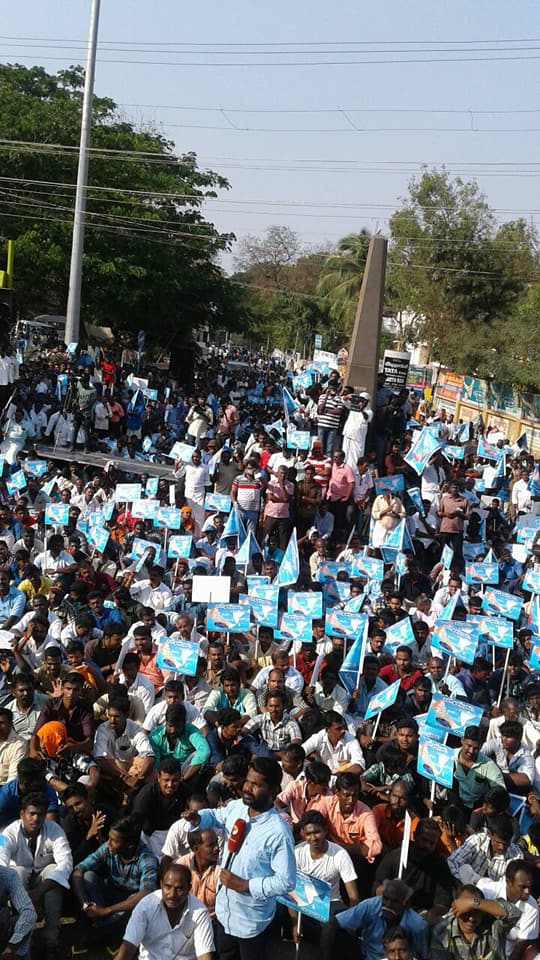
[{"x": 341, "y": 199}]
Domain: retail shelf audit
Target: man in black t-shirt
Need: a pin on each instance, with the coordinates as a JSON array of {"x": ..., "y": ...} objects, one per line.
[{"x": 160, "y": 804}]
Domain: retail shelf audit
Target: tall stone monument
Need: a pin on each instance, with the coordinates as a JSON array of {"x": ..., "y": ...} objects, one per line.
[{"x": 363, "y": 362}]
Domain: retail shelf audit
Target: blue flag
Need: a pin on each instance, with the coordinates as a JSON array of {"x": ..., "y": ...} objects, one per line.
[
  {"x": 289, "y": 403},
  {"x": 289, "y": 568}
]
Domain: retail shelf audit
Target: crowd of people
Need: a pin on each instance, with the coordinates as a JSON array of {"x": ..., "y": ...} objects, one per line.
[{"x": 183, "y": 812}]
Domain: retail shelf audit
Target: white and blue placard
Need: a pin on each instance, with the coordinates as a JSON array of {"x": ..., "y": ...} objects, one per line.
[
  {"x": 292, "y": 626},
  {"x": 498, "y": 602},
  {"x": 56, "y": 513},
  {"x": 495, "y": 630},
  {"x": 383, "y": 700},
  {"x": 217, "y": 501},
  {"x": 452, "y": 716},
  {"x": 127, "y": 492},
  {"x": 482, "y": 573},
  {"x": 435, "y": 762},
  {"x": 455, "y": 639},
  {"x": 263, "y": 612},
  {"x": 392, "y": 484},
  {"x": 310, "y": 896},
  {"x": 34, "y": 468},
  {"x": 228, "y": 617},
  {"x": 340, "y": 623},
  {"x": 307, "y": 604},
  {"x": 182, "y": 451},
  {"x": 98, "y": 537},
  {"x": 168, "y": 517},
  {"x": 400, "y": 634},
  {"x": 179, "y": 547},
  {"x": 178, "y": 656},
  {"x": 370, "y": 567}
]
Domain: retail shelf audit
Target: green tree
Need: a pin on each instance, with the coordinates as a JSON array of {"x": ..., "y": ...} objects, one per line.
[
  {"x": 341, "y": 279},
  {"x": 457, "y": 273},
  {"x": 151, "y": 258}
]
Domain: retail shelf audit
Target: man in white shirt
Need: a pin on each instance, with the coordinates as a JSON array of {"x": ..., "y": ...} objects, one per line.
[
  {"x": 335, "y": 747},
  {"x": 515, "y": 887},
  {"x": 169, "y": 923},
  {"x": 280, "y": 661},
  {"x": 122, "y": 750},
  {"x": 329, "y": 862},
  {"x": 152, "y": 592},
  {"x": 39, "y": 851},
  {"x": 12, "y": 747},
  {"x": 449, "y": 686},
  {"x": 521, "y": 495},
  {"x": 432, "y": 479},
  {"x": 137, "y": 684},
  {"x": 173, "y": 692}
]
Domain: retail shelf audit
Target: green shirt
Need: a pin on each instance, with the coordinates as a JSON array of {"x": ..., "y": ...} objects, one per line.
[
  {"x": 473, "y": 784},
  {"x": 191, "y": 744},
  {"x": 488, "y": 943}
]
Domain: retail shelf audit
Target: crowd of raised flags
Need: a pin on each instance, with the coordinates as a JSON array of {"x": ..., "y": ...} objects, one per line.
[{"x": 397, "y": 630}]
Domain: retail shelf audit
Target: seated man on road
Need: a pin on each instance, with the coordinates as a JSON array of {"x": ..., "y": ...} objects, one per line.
[
  {"x": 170, "y": 922},
  {"x": 329, "y": 862},
  {"x": 31, "y": 778},
  {"x": 335, "y": 746},
  {"x": 123, "y": 753},
  {"x": 159, "y": 804},
  {"x": 17, "y": 916},
  {"x": 203, "y": 862},
  {"x": 39, "y": 851},
  {"x": 110, "y": 882},
  {"x": 181, "y": 740}
]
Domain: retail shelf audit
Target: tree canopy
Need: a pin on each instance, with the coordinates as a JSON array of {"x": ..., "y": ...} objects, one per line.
[{"x": 150, "y": 257}]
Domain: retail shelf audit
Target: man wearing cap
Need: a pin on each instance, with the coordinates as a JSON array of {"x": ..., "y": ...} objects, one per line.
[{"x": 356, "y": 428}]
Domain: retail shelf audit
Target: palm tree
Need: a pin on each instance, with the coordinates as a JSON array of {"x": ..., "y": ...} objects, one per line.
[{"x": 341, "y": 278}]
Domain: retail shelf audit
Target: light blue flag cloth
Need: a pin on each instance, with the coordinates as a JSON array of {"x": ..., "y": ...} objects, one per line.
[
  {"x": 98, "y": 537},
  {"x": 248, "y": 549},
  {"x": 289, "y": 568},
  {"x": 381, "y": 701},
  {"x": 455, "y": 603},
  {"x": 351, "y": 668},
  {"x": 505, "y": 604}
]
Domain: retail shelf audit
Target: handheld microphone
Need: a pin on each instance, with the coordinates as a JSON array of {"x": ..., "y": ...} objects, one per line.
[{"x": 235, "y": 841}]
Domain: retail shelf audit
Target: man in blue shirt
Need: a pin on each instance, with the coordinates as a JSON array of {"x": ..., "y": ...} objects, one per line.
[
  {"x": 262, "y": 869},
  {"x": 369, "y": 920},
  {"x": 30, "y": 779},
  {"x": 12, "y": 602}
]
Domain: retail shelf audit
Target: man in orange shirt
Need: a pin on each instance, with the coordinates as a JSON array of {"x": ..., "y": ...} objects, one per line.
[
  {"x": 147, "y": 652},
  {"x": 390, "y": 817},
  {"x": 350, "y": 822}
]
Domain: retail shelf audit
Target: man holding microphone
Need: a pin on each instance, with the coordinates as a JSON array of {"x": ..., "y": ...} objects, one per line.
[{"x": 258, "y": 864}]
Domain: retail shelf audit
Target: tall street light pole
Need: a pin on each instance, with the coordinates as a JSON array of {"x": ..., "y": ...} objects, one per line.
[{"x": 73, "y": 313}]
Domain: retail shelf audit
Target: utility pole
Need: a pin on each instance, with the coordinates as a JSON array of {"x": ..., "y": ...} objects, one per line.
[{"x": 73, "y": 313}]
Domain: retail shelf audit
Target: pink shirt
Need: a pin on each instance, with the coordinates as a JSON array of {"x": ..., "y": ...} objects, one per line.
[
  {"x": 294, "y": 796},
  {"x": 279, "y": 510},
  {"x": 340, "y": 481}
]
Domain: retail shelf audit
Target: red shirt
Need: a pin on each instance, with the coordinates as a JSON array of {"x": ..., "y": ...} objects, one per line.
[{"x": 389, "y": 674}]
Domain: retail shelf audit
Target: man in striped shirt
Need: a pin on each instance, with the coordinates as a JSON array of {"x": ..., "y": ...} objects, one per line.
[
  {"x": 246, "y": 493},
  {"x": 329, "y": 412}
]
